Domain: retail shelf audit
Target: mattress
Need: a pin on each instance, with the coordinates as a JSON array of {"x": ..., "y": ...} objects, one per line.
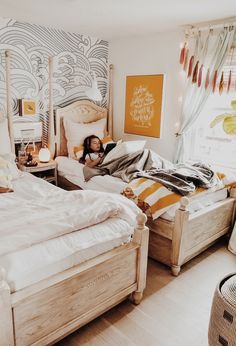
[
  {"x": 48, "y": 258},
  {"x": 73, "y": 171},
  {"x": 198, "y": 202}
]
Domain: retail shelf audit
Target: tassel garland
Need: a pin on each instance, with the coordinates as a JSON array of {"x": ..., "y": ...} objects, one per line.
[
  {"x": 204, "y": 76},
  {"x": 214, "y": 82},
  {"x": 190, "y": 66},
  {"x": 199, "y": 82},
  {"x": 182, "y": 54},
  {"x": 221, "y": 85},
  {"x": 229, "y": 81},
  {"x": 207, "y": 81},
  {"x": 195, "y": 73},
  {"x": 186, "y": 60}
]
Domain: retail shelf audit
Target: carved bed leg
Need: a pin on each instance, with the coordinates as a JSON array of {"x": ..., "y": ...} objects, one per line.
[
  {"x": 178, "y": 241},
  {"x": 6, "y": 323},
  {"x": 233, "y": 195},
  {"x": 141, "y": 235},
  {"x": 175, "y": 270},
  {"x": 137, "y": 297}
]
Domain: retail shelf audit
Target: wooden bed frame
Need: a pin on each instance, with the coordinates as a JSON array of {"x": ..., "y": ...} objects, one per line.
[
  {"x": 171, "y": 242},
  {"x": 176, "y": 242},
  {"x": 50, "y": 309},
  {"x": 47, "y": 311}
]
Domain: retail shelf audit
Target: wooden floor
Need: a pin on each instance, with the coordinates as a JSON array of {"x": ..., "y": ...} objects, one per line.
[{"x": 174, "y": 311}]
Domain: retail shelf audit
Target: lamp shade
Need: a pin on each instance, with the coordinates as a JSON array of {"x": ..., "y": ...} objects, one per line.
[{"x": 44, "y": 155}]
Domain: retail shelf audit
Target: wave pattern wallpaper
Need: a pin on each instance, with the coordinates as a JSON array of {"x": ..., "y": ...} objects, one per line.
[{"x": 74, "y": 57}]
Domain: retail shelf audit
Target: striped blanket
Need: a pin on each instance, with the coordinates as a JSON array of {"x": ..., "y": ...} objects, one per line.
[
  {"x": 154, "y": 183},
  {"x": 155, "y": 199},
  {"x": 152, "y": 197}
]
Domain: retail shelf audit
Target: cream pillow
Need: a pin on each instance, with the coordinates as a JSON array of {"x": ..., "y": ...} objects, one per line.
[
  {"x": 8, "y": 167},
  {"x": 8, "y": 172},
  {"x": 77, "y": 132},
  {"x": 124, "y": 148},
  {"x": 5, "y": 144}
]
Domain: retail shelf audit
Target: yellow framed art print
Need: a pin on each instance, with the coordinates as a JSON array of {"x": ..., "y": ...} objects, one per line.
[{"x": 143, "y": 105}]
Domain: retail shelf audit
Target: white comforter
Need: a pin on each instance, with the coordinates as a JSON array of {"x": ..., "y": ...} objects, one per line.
[{"x": 29, "y": 215}]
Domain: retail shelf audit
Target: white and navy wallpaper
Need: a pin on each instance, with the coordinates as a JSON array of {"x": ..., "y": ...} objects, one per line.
[{"x": 74, "y": 56}]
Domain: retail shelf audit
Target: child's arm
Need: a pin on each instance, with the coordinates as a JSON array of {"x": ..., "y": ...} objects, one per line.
[{"x": 93, "y": 163}]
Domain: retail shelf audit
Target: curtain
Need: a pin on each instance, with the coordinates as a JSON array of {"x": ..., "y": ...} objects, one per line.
[{"x": 212, "y": 52}]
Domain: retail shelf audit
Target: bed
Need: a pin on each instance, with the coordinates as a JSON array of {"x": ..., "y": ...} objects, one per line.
[
  {"x": 173, "y": 240},
  {"x": 60, "y": 268}
]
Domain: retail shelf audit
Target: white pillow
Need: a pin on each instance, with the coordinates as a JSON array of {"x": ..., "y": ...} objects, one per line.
[
  {"x": 124, "y": 148},
  {"x": 5, "y": 143},
  {"x": 77, "y": 132}
]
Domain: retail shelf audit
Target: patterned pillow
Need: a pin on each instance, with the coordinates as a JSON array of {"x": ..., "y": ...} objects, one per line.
[{"x": 78, "y": 150}]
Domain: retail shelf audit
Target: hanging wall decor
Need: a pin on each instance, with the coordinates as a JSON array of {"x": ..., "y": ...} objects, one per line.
[
  {"x": 194, "y": 58},
  {"x": 144, "y": 105}
]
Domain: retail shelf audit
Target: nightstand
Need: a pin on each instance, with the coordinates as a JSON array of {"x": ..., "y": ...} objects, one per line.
[{"x": 46, "y": 171}]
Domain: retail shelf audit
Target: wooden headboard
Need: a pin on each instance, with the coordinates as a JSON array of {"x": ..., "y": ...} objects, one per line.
[{"x": 79, "y": 112}]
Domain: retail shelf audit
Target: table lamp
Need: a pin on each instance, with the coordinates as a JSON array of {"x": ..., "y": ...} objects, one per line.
[{"x": 44, "y": 154}]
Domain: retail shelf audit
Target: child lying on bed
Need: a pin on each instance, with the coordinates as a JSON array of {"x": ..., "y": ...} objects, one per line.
[{"x": 93, "y": 151}]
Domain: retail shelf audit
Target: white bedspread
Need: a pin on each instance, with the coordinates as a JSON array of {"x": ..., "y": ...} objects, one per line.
[{"x": 33, "y": 214}]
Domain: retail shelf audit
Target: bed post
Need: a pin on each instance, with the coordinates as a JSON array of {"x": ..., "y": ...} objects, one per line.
[
  {"x": 110, "y": 101},
  {"x": 233, "y": 195},
  {"x": 6, "y": 323},
  {"x": 141, "y": 235},
  {"x": 181, "y": 218},
  {"x": 51, "y": 130},
  {"x": 9, "y": 100}
]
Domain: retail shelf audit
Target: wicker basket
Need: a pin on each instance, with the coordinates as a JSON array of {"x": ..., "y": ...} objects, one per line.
[{"x": 222, "y": 326}]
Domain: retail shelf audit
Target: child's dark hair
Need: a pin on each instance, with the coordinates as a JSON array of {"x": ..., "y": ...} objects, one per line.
[{"x": 87, "y": 149}]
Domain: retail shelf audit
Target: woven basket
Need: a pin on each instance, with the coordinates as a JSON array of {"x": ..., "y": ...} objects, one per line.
[{"x": 222, "y": 326}]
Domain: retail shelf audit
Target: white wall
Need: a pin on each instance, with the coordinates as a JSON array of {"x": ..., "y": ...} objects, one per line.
[{"x": 158, "y": 54}]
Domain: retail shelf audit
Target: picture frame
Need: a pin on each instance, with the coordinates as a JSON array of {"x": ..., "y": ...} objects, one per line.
[
  {"x": 143, "y": 105},
  {"x": 27, "y": 107}
]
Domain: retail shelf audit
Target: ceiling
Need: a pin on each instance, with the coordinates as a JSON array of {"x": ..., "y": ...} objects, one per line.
[{"x": 111, "y": 19}]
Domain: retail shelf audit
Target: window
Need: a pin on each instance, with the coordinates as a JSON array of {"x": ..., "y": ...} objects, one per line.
[{"x": 214, "y": 145}]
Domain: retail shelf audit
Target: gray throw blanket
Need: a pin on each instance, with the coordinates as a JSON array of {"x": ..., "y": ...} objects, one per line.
[{"x": 180, "y": 178}]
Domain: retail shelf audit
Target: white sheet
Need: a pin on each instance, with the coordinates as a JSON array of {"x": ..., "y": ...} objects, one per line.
[
  {"x": 197, "y": 203},
  {"x": 26, "y": 221},
  {"x": 73, "y": 171}
]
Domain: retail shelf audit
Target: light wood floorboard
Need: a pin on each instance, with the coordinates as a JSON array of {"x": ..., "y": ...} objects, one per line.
[{"x": 174, "y": 312}]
